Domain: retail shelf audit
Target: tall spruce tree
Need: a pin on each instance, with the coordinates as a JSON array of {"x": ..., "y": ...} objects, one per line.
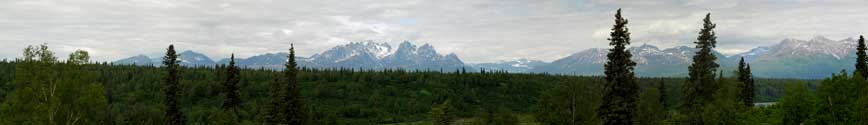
[
  {"x": 170, "y": 64},
  {"x": 295, "y": 106},
  {"x": 861, "y": 58},
  {"x": 286, "y": 105},
  {"x": 621, "y": 91},
  {"x": 746, "y": 84},
  {"x": 230, "y": 87},
  {"x": 701, "y": 83},
  {"x": 663, "y": 93}
]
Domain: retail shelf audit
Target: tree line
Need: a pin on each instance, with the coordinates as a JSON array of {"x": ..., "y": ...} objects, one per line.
[
  {"x": 709, "y": 98},
  {"x": 38, "y": 88}
]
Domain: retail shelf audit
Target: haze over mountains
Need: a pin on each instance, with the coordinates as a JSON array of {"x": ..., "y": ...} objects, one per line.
[{"x": 791, "y": 58}]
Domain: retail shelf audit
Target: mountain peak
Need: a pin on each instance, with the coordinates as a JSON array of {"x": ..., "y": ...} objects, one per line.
[
  {"x": 406, "y": 43},
  {"x": 820, "y": 38}
]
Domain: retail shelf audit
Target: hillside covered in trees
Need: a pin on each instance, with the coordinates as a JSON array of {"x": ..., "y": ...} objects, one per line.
[
  {"x": 99, "y": 93},
  {"x": 39, "y": 88}
]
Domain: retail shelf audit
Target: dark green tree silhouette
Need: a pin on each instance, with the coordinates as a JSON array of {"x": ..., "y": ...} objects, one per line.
[
  {"x": 170, "y": 63},
  {"x": 231, "y": 87},
  {"x": 295, "y": 104},
  {"x": 287, "y": 105},
  {"x": 746, "y": 84},
  {"x": 663, "y": 93},
  {"x": 701, "y": 84},
  {"x": 861, "y": 57},
  {"x": 621, "y": 91}
]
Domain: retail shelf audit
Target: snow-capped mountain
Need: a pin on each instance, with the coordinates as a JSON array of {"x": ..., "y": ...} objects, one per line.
[
  {"x": 815, "y": 58},
  {"x": 517, "y": 65},
  {"x": 791, "y": 58},
  {"x": 358, "y": 55},
  {"x": 190, "y": 58},
  {"x": 650, "y": 60},
  {"x": 752, "y": 54},
  {"x": 818, "y": 46},
  {"x": 408, "y": 56},
  {"x": 366, "y": 55}
]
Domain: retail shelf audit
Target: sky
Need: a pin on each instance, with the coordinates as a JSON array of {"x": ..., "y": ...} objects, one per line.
[{"x": 476, "y": 30}]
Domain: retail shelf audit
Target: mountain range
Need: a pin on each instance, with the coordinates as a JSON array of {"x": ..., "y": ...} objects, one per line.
[
  {"x": 791, "y": 58},
  {"x": 357, "y": 55}
]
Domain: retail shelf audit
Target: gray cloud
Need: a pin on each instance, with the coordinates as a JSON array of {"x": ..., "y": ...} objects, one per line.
[{"x": 477, "y": 30}]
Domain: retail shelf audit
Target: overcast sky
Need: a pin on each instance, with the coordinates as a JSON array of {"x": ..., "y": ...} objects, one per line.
[{"x": 476, "y": 30}]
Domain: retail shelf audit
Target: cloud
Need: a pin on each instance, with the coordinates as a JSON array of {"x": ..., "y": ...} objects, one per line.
[{"x": 477, "y": 30}]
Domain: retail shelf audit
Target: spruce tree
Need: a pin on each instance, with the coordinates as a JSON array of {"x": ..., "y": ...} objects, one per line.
[
  {"x": 861, "y": 57},
  {"x": 170, "y": 64},
  {"x": 663, "y": 93},
  {"x": 295, "y": 106},
  {"x": 621, "y": 90},
  {"x": 701, "y": 83},
  {"x": 286, "y": 105},
  {"x": 230, "y": 86},
  {"x": 746, "y": 84}
]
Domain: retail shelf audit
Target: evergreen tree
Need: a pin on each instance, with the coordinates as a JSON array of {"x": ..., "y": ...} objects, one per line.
[
  {"x": 619, "y": 99},
  {"x": 701, "y": 84},
  {"x": 746, "y": 84},
  {"x": 170, "y": 64},
  {"x": 663, "y": 93},
  {"x": 861, "y": 57},
  {"x": 296, "y": 112},
  {"x": 287, "y": 106},
  {"x": 230, "y": 87}
]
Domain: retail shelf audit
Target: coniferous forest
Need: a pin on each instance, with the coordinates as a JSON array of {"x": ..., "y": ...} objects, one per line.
[{"x": 39, "y": 88}]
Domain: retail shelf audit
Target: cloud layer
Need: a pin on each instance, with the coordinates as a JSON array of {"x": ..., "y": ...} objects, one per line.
[{"x": 476, "y": 30}]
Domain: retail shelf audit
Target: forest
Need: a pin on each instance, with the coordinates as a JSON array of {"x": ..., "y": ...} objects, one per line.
[
  {"x": 39, "y": 88},
  {"x": 86, "y": 92}
]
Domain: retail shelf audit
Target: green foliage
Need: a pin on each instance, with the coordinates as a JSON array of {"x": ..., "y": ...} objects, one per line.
[
  {"x": 797, "y": 105},
  {"x": 287, "y": 106},
  {"x": 835, "y": 99},
  {"x": 48, "y": 92},
  {"x": 861, "y": 57},
  {"x": 861, "y": 109},
  {"x": 701, "y": 84},
  {"x": 651, "y": 110},
  {"x": 619, "y": 99},
  {"x": 569, "y": 103},
  {"x": 120, "y": 94},
  {"x": 441, "y": 114},
  {"x": 170, "y": 64},
  {"x": 499, "y": 116},
  {"x": 231, "y": 93},
  {"x": 79, "y": 57},
  {"x": 724, "y": 107},
  {"x": 745, "y": 84}
]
